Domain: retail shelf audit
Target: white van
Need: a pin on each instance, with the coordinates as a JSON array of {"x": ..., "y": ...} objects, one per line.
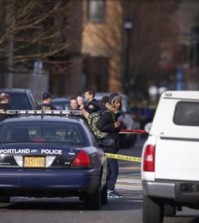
[{"x": 170, "y": 157}]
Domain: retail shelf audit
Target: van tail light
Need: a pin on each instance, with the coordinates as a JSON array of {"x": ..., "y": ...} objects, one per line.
[
  {"x": 149, "y": 158},
  {"x": 81, "y": 159}
]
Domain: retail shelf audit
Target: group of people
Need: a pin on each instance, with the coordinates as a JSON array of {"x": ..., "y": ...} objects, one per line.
[{"x": 108, "y": 107}]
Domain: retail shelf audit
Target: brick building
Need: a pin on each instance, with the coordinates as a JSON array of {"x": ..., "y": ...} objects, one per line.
[{"x": 102, "y": 44}]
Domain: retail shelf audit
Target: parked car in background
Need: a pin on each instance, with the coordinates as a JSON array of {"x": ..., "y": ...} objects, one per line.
[
  {"x": 21, "y": 98},
  {"x": 61, "y": 103},
  {"x": 46, "y": 155}
]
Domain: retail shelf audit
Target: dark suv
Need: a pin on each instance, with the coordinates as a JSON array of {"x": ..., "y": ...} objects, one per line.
[{"x": 20, "y": 98}]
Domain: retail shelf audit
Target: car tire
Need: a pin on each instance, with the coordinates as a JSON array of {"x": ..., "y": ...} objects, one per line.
[
  {"x": 169, "y": 210},
  {"x": 152, "y": 210},
  {"x": 93, "y": 201},
  {"x": 4, "y": 199},
  {"x": 104, "y": 198}
]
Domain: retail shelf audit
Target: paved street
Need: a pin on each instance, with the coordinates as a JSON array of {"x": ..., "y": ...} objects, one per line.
[
  {"x": 71, "y": 210},
  {"x": 129, "y": 177}
]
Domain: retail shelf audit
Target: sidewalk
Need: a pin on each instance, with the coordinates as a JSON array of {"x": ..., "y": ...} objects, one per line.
[{"x": 129, "y": 178}]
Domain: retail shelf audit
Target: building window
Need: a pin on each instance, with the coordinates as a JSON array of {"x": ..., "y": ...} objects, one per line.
[{"x": 96, "y": 10}]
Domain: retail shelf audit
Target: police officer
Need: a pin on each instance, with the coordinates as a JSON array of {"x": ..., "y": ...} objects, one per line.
[
  {"x": 73, "y": 104},
  {"x": 46, "y": 102},
  {"x": 4, "y": 105},
  {"x": 91, "y": 105}
]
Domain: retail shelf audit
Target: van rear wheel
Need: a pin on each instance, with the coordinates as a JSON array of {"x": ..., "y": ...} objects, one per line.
[
  {"x": 152, "y": 210},
  {"x": 169, "y": 210}
]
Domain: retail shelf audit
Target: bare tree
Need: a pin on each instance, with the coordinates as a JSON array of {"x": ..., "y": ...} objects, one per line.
[
  {"x": 36, "y": 30},
  {"x": 154, "y": 29}
]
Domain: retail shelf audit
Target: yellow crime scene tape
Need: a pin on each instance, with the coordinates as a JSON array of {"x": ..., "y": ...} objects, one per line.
[{"x": 123, "y": 157}]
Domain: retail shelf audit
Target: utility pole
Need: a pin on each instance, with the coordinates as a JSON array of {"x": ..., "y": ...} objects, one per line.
[
  {"x": 128, "y": 25},
  {"x": 9, "y": 19}
]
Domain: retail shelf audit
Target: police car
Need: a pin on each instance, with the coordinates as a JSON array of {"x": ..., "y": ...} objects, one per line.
[{"x": 51, "y": 154}]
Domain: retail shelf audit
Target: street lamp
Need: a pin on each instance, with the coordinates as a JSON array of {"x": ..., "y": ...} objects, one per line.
[{"x": 128, "y": 25}]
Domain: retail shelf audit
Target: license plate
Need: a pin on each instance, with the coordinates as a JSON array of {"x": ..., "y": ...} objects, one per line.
[{"x": 34, "y": 161}]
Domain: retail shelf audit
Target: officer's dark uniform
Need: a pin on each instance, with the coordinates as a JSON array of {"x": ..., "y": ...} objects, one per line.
[
  {"x": 3, "y": 108},
  {"x": 92, "y": 106},
  {"x": 46, "y": 106}
]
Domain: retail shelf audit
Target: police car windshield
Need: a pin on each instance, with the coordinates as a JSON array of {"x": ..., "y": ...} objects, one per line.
[{"x": 70, "y": 133}]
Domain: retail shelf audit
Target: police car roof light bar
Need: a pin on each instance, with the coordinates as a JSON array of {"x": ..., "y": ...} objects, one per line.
[{"x": 41, "y": 112}]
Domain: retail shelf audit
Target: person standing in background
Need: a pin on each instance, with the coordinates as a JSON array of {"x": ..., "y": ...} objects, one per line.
[
  {"x": 46, "y": 102},
  {"x": 91, "y": 104},
  {"x": 4, "y": 105},
  {"x": 4, "y": 101},
  {"x": 73, "y": 104},
  {"x": 80, "y": 101}
]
